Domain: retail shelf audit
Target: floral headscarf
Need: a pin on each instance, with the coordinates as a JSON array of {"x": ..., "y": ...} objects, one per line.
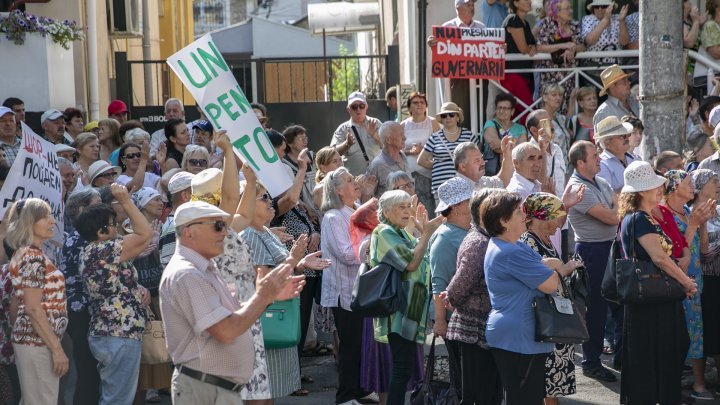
[
  {"x": 551, "y": 8},
  {"x": 700, "y": 177},
  {"x": 362, "y": 222},
  {"x": 674, "y": 178},
  {"x": 142, "y": 197},
  {"x": 543, "y": 206}
]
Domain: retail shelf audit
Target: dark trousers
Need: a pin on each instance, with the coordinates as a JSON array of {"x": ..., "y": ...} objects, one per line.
[
  {"x": 88, "y": 379},
  {"x": 617, "y": 313},
  {"x": 522, "y": 376},
  {"x": 403, "y": 360},
  {"x": 307, "y": 297},
  {"x": 349, "y": 327},
  {"x": 480, "y": 379},
  {"x": 14, "y": 384},
  {"x": 455, "y": 365},
  {"x": 595, "y": 256}
]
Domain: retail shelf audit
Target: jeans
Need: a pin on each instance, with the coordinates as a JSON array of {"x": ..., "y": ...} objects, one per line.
[
  {"x": 119, "y": 367},
  {"x": 403, "y": 359},
  {"x": 595, "y": 256}
]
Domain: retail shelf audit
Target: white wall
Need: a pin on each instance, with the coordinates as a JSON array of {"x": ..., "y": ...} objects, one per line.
[
  {"x": 272, "y": 40},
  {"x": 437, "y": 13}
]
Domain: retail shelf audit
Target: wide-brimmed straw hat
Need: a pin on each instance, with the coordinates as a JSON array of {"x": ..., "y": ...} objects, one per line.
[
  {"x": 611, "y": 75},
  {"x": 449, "y": 107},
  {"x": 640, "y": 176},
  {"x": 611, "y": 126}
]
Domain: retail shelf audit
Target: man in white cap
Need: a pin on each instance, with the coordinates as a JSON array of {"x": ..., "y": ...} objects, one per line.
[
  {"x": 357, "y": 140},
  {"x": 612, "y": 135},
  {"x": 180, "y": 193},
  {"x": 53, "y": 125},
  {"x": 454, "y": 204},
  {"x": 619, "y": 102},
  {"x": 207, "y": 330},
  {"x": 9, "y": 142},
  {"x": 391, "y": 158}
]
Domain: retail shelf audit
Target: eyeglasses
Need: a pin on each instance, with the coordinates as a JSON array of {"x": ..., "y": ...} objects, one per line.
[
  {"x": 218, "y": 225},
  {"x": 265, "y": 198},
  {"x": 198, "y": 162},
  {"x": 360, "y": 106},
  {"x": 135, "y": 155},
  {"x": 446, "y": 115},
  {"x": 406, "y": 187},
  {"x": 108, "y": 174}
]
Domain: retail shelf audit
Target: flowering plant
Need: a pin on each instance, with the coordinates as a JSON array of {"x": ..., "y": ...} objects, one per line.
[{"x": 17, "y": 23}]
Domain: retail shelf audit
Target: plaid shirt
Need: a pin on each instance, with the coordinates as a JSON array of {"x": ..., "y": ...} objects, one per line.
[{"x": 11, "y": 151}]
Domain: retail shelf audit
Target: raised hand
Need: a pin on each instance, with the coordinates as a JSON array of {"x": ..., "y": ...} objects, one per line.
[
  {"x": 120, "y": 192},
  {"x": 161, "y": 154},
  {"x": 297, "y": 252},
  {"x": 249, "y": 174},
  {"x": 623, "y": 11},
  {"x": 313, "y": 261},
  {"x": 222, "y": 141},
  {"x": 303, "y": 159},
  {"x": 572, "y": 196}
]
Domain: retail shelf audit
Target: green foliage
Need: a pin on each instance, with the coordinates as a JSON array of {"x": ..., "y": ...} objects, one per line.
[{"x": 345, "y": 75}]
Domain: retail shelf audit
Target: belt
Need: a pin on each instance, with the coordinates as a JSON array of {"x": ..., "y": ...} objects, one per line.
[{"x": 211, "y": 379}]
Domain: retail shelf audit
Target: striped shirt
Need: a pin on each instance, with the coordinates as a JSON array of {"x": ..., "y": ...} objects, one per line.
[
  {"x": 338, "y": 279},
  {"x": 442, "y": 151}
]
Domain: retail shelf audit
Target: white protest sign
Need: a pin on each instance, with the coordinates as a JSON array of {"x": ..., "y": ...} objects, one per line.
[
  {"x": 202, "y": 69},
  {"x": 35, "y": 173}
]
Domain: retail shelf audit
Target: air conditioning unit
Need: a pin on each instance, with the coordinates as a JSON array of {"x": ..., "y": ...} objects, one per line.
[{"x": 125, "y": 18}]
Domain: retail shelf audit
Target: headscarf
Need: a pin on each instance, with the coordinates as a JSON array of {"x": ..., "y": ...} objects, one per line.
[
  {"x": 362, "y": 222},
  {"x": 143, "y": 196},
  {"x": 551, "y": 8},
  {"x": 543, "y": 206},
  {"x": 674, "y": 178},
  {"x": 700, "y": 177}
]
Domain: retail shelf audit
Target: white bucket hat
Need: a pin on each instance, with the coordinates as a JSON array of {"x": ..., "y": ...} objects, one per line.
[
  {"x": 453, "y": 191},
  {"x": 640, "y": 176}
]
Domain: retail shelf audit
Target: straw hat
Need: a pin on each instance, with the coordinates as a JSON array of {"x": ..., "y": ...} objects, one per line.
[
  {"x": 599, "y": 3},
  {"x": 611, "y": 126},
  {"x": 100, "y": 167},
  {"x": 640, "y": 176},
  {"x": 449, "y": 107},
  {"x": 611, "y": 75}
]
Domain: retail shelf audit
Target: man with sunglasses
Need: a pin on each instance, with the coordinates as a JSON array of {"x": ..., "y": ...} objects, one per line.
[
  {"x": 207, "y": 329},
  {"x": 357, "y": 140},
  {"x": 613, "y": 136}
]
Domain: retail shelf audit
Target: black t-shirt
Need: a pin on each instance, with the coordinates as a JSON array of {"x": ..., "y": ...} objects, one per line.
[
  {"x": 643, "y": 226},
  {"x": 513, "y": 21}
]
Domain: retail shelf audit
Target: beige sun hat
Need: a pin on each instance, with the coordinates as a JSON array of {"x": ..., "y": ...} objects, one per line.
[
  {"x": 611, "y": 126},
  {"x": 450, "y": 107},
  {"x": 599, "y": 3},
  {"x": 610, "y": 75},
  {"x": 206, "y": 186},
  {"x": 100, "y": 167},
  {"x": 640, "y": 176}
]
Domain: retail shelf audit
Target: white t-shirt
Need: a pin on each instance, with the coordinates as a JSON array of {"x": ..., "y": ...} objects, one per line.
[{"x": 151, "y": 180}]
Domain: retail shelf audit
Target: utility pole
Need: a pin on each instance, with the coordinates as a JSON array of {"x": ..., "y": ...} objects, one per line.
[{"x": 662, "y": 75}]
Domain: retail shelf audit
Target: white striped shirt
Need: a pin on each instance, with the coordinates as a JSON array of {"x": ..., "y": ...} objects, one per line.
[
  {"x": 338, "y": 279},
  {"x": 442, "y": 152}
]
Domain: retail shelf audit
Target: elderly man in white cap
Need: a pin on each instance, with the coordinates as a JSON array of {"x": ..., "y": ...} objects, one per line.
[
  {"x": 9, "y": 142},
  {"x": 207, "y": 330},
  {"x": 357, "y": 139},
  {"x": 53, "y": 125},
  {"x": 619, "y": 102},
  {"x": 612, "y": 135},
  {"x": 454, "y": 204},
  {"x": 180, "y": 193}
]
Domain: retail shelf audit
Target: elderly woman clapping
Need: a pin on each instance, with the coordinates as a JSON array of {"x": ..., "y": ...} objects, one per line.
[
  {"x": 391, "y": 244},
  {"x": 515, "y": 274}
]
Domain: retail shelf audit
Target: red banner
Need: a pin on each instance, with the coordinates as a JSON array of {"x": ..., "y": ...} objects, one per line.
[{"x": 469, "y": 53}]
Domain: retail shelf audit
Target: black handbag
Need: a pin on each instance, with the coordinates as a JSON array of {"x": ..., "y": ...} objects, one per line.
[
  {"x": 431, "y": 392},
  {"x": 557, "y": 319},
  {"x": 608, "y": 288},
  {"x": 580, "y": 287},
  {"x": 641, "y": 281},
  {"x": 377, "y": 291}
]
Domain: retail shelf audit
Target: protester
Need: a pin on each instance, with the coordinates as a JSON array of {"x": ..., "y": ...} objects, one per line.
[
  {"x": 195, "y": 159},
  {"x": 9, "y": 141},
  {"x": 514, "y": 274},
  {"x": 554, "y": 155},
  {"x": 495, "y": 130},
  {"x": 73, "y": 123},
  {"x": 699, "y": 149},
  {"x": 619, "y": 102},
  {"x": 117, "y": 110},
  {"x": 519, "y": 39},
  {"x": 454, "y": 205},
  {"x": 529, "y": 167},
  {"x": 110, "y": 140},
  {"x": 18, "y": 107},
  {"x": 391, "y": 158},
  {"x": 53, "y": 125},
  {"x": 41, "y": 316},
  {"x": 390, "y": 244},
  {"x": 418, "y": 129},
  {"x": 613, "y": 136},
  {"x": 391, "y": 103},
  {"x": 174, "y": 109},
  {"x": 552, "y": 96},
  {"x": 602, "y": 30},
  {"x": 439, "y": 150},
  {"x": 180, "y": 193},
  {"x": 88, "y": 152},
  {"x": 133, "y": 160},
  {"x": 655, "y": 331},
  {"x": 116, "y": 300},
  {"x": 470, "y": 165},
  {"x": 471, "y": 309},
  {"x": 666, "y": 161},
  {"x": 296, "y": 141},
  {"x": 581, "y": 125},
  {"x": 357, "y": 139}
]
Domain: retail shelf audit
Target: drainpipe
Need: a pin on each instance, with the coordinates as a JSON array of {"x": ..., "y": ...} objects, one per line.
[
  {"x": 92, "y": 61},
  {"x": 422, "y": 46},
  {"x": 147, "y": 54}
]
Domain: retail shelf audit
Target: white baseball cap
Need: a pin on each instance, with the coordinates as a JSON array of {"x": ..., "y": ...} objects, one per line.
[{"x": 180, "y": 181}]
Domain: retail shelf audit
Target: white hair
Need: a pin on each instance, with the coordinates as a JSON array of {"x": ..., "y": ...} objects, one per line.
[
  {"x": 460, "y": 152},
  {"x": 390, "y": 199},
  {"x": 519, "y": 151},
  {"x": 137, "y": 136},
  {"x": 386, "y": 129},
  {"x": 330, "y": 198},
  {"x": 192, "y": 149},
  {"x": 396, "y": 176},
  {"x": 174, "y": 101}
]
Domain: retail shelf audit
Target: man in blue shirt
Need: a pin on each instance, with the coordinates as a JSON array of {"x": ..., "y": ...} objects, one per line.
[{"x": 494, "y": 12}]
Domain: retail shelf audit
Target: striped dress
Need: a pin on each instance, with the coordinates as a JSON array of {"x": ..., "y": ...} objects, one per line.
[{"x": 442, "y": 151}]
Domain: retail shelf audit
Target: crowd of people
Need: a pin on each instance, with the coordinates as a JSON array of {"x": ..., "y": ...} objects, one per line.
[{"x": 172, "y": 226}]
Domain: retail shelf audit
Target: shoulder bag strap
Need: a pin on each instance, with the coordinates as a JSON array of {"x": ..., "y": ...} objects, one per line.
[{"x": 359, "y": 141}]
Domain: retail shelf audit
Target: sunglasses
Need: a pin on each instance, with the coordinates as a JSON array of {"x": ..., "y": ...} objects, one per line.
[
  {"x": 265, "y": 198},
  {"x": 218, "y": 225},
  {"x": 594, "y": 7},
  {"x": 106, "y": 228},
  {"x": 135, "y": 155},
  {"x": 446, "y": 115},
  {"x": 198, "y": 162},
  {"x": 108, "y": 174},
  {"x": 358, "y": 106}
]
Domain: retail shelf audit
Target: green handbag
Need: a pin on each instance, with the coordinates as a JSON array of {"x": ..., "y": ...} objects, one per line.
[{"x": 281, "y": 324}]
